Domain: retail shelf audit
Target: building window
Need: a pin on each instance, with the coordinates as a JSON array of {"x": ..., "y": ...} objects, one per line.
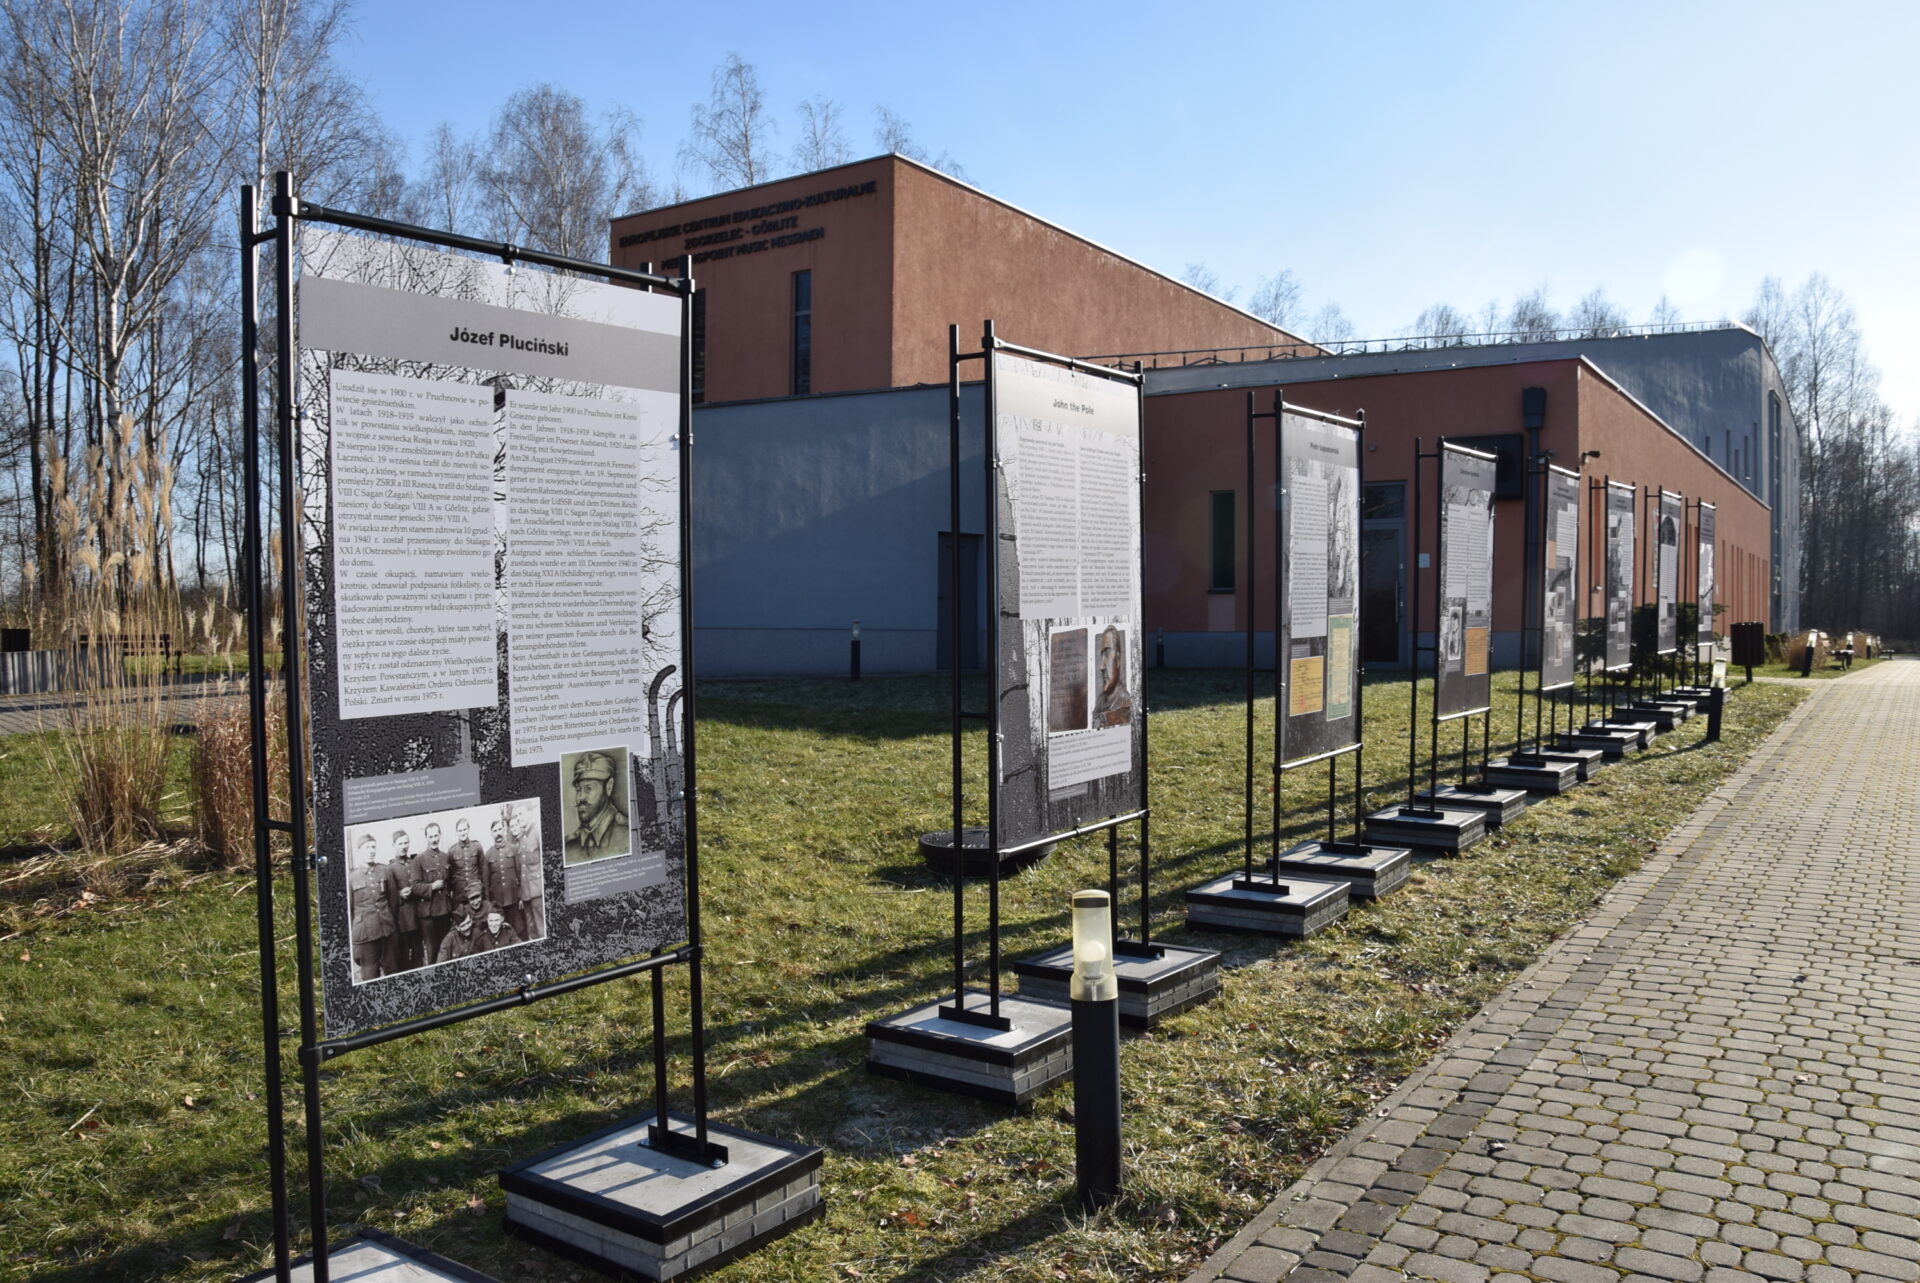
[
  {"x": 699, "y": 346},
  {"x": 1223, "y": 542},
  {"x": 802, "y": 332}
]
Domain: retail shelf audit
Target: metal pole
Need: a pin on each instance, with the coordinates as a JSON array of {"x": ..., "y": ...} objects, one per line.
[
  {"x": 690, "y": 773},
  {"x": 992, "y": 474},
  {"x": 286, "y": 211},
  {"x": 1413, "y": 635},
  {"x": 1146, "y": 718},
  {"x": 1360, "y": 674},
  {"x": 954, "y": 638},
  {"x": 263, "y": 871},
  {"x": 1439, "y": 608},
  {"x": 1281, "y": 570},
  {"x": 1251, "y": 582}
]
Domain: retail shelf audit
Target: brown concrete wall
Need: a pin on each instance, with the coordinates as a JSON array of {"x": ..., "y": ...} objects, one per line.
[
  {"x": 961, "y": 258},
  {"x": 750, "y": 290},
  {"x": 1636, "y": 448},
  {"x": 1196, "y": 443}
]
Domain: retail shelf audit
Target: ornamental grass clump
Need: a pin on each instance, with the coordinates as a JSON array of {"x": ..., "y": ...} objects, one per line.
[
  {"x": 117, "y": 610},
  {"x": 223, "y": 772}
]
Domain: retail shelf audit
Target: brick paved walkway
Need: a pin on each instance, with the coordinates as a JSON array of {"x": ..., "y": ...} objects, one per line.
[
  {"x": 23, "y": 714},
  {"x": 1715, "y": 1079}
]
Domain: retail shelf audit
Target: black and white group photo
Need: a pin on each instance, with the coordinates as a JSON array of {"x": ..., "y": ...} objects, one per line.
[{"x": 430, "y": 889}]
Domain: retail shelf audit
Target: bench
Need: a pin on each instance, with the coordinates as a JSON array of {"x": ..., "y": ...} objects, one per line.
[{"x": 138, "y": 647}]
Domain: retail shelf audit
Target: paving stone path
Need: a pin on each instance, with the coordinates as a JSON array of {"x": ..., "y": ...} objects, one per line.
[
  {"x": 24, "y": 714},
  {"x": 1714, "y": 1079}
]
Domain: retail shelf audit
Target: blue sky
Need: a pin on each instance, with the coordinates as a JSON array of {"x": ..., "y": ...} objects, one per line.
[{"x": 1390, "y": 155}]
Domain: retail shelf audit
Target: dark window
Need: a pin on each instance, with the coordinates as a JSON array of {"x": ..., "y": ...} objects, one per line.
[
  {"x": 699, "y": 345},
  {"x": 1385, "y": 502},
  {"x": 1509, "y": 472},
  {"x": 802, "y": 332},
  {"x": 1223, "y": 542}
]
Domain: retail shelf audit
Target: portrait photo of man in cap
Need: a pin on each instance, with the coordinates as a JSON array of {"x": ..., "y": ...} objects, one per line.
[{"x": 593, "y": 809}]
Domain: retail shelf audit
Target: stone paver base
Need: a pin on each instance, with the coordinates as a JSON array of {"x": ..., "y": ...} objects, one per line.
[{"x": 1714, "y": 1079}]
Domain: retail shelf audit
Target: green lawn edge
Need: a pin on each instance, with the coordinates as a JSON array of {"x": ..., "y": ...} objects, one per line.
[{"x": 130, "y": 1037}]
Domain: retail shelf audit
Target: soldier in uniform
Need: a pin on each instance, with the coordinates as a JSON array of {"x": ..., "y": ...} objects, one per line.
[
  {"x": 503, "y": 877},
  {"x": 458, "y": 942},
  {"x": 603, "y": 822},
  {"x": 469, "y": 861},
  {"x": 528, "y": 856},
  {"x": 370, "y": 908},
  {"x": 493, "y": 932},
  {"x": 432, "y": 895},
  {"x": 406, "y": 916}
]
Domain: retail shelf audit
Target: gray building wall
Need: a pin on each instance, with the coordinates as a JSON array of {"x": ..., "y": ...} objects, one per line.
[
  {"x": 1715, "y": 387},
  {"x": 811, "y": 512}
]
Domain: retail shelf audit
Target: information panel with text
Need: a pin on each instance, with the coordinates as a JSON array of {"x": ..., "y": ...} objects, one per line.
[
  {"x": 1320, "y": 586},
  {"x": 1559, "y": 589},
  {"x": 1703, "y": 577},
  {"x": 1620, "y": 506},
  {"x": 1070, "y": 663},
  {"x": 1464, "y": 633},
  {"x": 1667, "y": 527},
  {"x": 493, "y": 611}
]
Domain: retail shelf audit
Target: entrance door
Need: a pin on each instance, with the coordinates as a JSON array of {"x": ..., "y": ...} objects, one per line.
[
  {"x": 969, "y": 603},
  {"x": 1383, "y": 575}
]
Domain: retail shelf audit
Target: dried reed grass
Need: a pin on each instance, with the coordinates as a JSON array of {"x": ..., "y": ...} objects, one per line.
[{"x": 111, "y": 523}]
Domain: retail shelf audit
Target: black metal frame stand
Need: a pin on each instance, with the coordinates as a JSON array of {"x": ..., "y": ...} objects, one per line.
[
  {"x": 1546, "y": 718},
  {"x": 990, "y": 1018},
  {"x": 1465, "y": 716},
  {"x": 1610, "y": 692},
  {"x": 1703, "y": 633},
  {"x": 288, "y": 211},
  {"x": 1270, "y": 878}
]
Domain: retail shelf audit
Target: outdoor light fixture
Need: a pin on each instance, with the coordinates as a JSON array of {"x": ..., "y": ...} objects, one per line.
[
  {"x": 853, "y": 653},
  {"x": 1093, "y": 977},
  {"x": 1095, "y": 991}
]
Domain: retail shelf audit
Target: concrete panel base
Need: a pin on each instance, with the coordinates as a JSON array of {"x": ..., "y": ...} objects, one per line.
[
  {"x": 1543, "y": 775},
  {"x": 1296, "y": 906},
  {"x": 1588, "y": 760},
  {"x": 1663, "y": 716},
  {"x": 1369, "y": 871},
  {"x": 1612, "y": 745},
  {"x": 613, "y": 1202},
  {"x": 1011, "y": 1066},
  {"x": 1428, "y": 829},
  {"x": 1152, "y": 989},
  {"x": 372, "y": 1257},
  {"x": 1640, "y": 728},
  {"x": 1498, "y": 803}
]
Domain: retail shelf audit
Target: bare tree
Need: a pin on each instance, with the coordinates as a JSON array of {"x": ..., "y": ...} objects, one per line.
[
  {"x": 126, "y": 94},
  {"x": 893, "y": 134},
  {"x": 1533, "y": 317},
  {"x": 1207, "y": 281},
  {"x": 1596, "y": 316},
  {"x": 295, "y": 110},
  {"x": 1443, "y": 322},
  {"x": 1276, "y": 299},
  {"x": 1331, "y": 326},
  {"x": 552, "y": 176},
  {"x": 452, "y": 189},
  {"x": 732, "y": 136},
  {"x": 823, "y": 143},
  {"x": 1770, "y": 314},
  {"x": 1665, "y": 313}
]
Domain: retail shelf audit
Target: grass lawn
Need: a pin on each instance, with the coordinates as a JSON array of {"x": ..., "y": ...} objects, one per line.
[{"x": 131, "y": 1147}]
